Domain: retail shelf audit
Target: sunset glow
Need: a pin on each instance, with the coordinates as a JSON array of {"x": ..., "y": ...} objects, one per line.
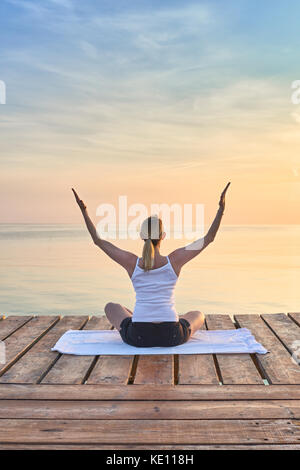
[{"x": 163, "y": 103}]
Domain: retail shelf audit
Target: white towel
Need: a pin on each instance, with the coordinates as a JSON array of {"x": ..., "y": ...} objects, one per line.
[{"x": 109, "y": 342}]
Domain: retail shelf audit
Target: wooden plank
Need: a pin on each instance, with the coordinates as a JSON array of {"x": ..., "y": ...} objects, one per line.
[
  {"x": 71, "y": 369},
  {"x": 150, "y": 431},
  {"x": 156, "y": 369},
  {"x": 295, "y": 317},
  {"x": 13, "y": 446},
  {"x": 10, "y": 324},
  {"x": 154, "y": 409},
  {"x": 197, "y": 368},
  {"x": 277, "y": 365},
  {"x": 285, "y": 329},
  {"x": 111, "y": 370},
  {"x": 19, "y": 342},
  {"x": 148, "y": 392},
  {"x": 31, "y": 367},
  {"x": 234, "y": 368}
]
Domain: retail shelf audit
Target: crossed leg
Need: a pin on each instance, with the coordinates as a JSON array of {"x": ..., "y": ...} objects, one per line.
[
  {"x": 116, "y": 313},
  {"x": 195, "y": 319}
]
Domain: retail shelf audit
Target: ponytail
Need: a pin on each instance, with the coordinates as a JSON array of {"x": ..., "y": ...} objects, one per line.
[
  {"x": 148, "y": 255},
  {"x": 151, "y": 233}
]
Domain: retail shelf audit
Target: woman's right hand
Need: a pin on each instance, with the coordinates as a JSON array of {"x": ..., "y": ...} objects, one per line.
[
  {"x": 222, "y": 198},
  {"x": 79, "y": 201}
]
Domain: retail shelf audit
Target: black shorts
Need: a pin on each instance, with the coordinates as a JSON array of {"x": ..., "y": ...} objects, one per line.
[{"x": 148, "y": 334}]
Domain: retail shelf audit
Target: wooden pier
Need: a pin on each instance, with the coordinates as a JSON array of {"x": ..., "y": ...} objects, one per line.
[{"x": 235, "y": 401}]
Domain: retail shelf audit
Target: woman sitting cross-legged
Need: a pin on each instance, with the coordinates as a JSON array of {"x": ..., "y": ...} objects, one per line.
[{"x": 154, "y": 320}]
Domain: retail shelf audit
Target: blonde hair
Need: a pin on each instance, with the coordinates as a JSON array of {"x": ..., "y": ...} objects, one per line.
[{"x": 151, "y": 233}]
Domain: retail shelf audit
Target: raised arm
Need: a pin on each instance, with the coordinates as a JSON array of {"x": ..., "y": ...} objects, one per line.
[
  {"x": 182, "y": 255},
  {"x": 122, "y": 257}
]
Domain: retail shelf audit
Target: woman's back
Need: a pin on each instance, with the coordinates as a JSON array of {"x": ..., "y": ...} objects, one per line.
[
  {"x": 154, "y": 293},
  {"x": 154, "y": 286}
]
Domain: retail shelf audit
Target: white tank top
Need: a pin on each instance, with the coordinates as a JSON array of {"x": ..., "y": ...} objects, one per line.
[{"x": 154, "y": 291}]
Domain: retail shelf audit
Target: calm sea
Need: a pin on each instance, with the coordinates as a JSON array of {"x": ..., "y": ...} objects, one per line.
[{"x": 56, "y": 269}]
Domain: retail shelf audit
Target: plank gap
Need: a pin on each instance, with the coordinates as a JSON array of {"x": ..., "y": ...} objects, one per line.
[
  {"x": 218, "y": 370},
  {"x": 20, "y": 326},
  {"x": 260, "y": 370},
  {"x": 290, "y": 315},
  {"x": 215, "y": 361},
  {"x": 176, "y": 369},
  {"x": 133, "y": 370},
  {"x": 275, "y": 334},
  {"x": 48, "y": 368},
  {"x": 90, "y": 369}
]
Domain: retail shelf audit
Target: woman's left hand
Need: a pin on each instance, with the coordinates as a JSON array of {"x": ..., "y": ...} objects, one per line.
[
  {"x": 222, "y": 198},
  {"x": 79, "y": 201}
]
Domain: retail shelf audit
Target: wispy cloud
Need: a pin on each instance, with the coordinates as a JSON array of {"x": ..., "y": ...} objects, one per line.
[
  {"x": 89, "y": 49},
  {"x": 171, "y": 85},
  {"x": 63, "y": 3},
  {"x": 34, "y": 8}
]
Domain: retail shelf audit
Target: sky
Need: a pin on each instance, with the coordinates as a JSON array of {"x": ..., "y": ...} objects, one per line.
[{"x": 164, "y": 102}]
